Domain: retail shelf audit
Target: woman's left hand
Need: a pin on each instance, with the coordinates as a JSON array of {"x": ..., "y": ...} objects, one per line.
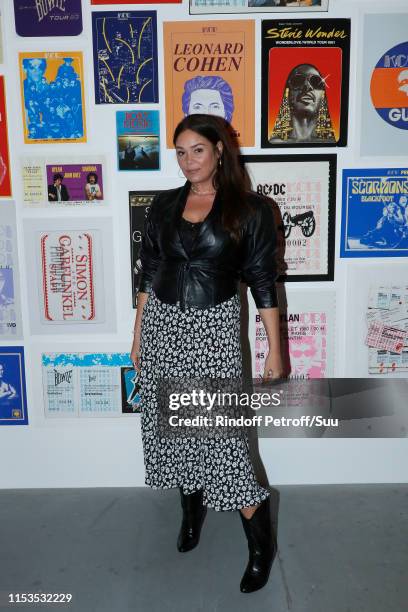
[{"x": 273, "y": 368}]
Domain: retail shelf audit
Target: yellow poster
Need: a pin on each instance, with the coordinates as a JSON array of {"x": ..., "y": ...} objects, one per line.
[{"x": 209, "y": 68}]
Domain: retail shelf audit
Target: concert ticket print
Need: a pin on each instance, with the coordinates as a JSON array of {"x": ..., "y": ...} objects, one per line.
[
  {"x": 52, "y": 95},
  {"x": 68, "y": 276},
  {"x": 13, "y": 395},
  {"x": 125, "y": 57},
  {"x": 201, "y": 7},
  {"x": 302, "y": 190},
  {"x": 51, "y": 182},
  {"x": 10, "y": 308},
  {"x": 305, "y": 82},
  {"x": 307, "y": 327},
  {"x": 48, "y": 17},
  {"x": 5, "y": 175},
  {"x": 90, "y": 385},
  {"x": 375, "y": 213}
]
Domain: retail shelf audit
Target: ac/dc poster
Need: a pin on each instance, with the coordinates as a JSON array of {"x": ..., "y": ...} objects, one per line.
[
  {"x": 305, "y": 82},
  {"x": 52, "y": 93},
  {"x": 48, "y": 18},
  {"x": 139, "y": 205},
  {"x": 5, "y": 179},
  {"x": 125, "y": 57}
]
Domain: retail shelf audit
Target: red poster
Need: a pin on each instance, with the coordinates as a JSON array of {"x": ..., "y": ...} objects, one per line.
[{"x": 5, "y": 179}]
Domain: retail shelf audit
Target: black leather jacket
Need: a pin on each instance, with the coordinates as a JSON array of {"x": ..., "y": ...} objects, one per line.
[{"x": 216, "y": 264}]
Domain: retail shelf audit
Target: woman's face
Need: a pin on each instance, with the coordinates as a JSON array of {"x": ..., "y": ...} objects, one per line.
[{"x": 197, "y": 156}]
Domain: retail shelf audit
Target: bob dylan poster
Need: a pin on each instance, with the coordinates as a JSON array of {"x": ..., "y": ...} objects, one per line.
[
  {"x": 305, "y": 82},
  {"x": 52, "y": 93},
  {"x": 375, "y": 213},
  {"x": 209, "y": 68}
]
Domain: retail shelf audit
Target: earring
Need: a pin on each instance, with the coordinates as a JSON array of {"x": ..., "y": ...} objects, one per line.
[{"x": 219, "y": 162}]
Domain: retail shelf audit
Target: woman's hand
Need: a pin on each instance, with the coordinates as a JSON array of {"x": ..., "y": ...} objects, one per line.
[{"x": 273, "y": 368}]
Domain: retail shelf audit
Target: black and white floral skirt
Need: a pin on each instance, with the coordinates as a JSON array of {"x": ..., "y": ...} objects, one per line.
[{"x": 194, "y": 343}]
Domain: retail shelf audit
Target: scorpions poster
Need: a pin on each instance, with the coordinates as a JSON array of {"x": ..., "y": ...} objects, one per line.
[{"x": 302, "y": 189}]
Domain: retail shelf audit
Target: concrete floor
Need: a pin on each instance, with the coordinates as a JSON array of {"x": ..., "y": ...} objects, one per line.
[{"x": 341, "y": 549}]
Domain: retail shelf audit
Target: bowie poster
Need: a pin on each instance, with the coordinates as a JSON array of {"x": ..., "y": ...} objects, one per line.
[
  {"x": 384, "y": 117},
  {"x": 125, "y": 57},
  {"x": 139, "y": 206},
  {"x": 89, "y": 385},
  {"x": 13, "y": 395},
  {"x": 304, "y": 191},
  {"x": 375, "y": 213},
  {"x": 305, "y": 82},
  {"x": 307, "y": 328},
  {"x": 209, "y": 68},
  {"x": 138, "y": 140},
  {"x": 10, "y": 302},
  {"x": 5, "y": 177},
  {"x": 48, "y": 17},
  {"x": 52, "y": 94},
  {"x": 71, "y": 267},
  {"x": 200, "y": 7}
]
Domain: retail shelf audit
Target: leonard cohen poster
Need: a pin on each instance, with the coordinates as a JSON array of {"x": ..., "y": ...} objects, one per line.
[
  {"x": 13, "y": 396},
  {"x": 139, "y": 206},
  {"x": 384, "y": 118},
  {"x": 125, "y": 57},
  {"x": 48, "y": 17},
  {"x": 90, "y": 385},
  {"x": 253, "y": 6},
  {"x": 305, "y": 82},
  {"x": 138, "y": 140},
  {"x": 5, "y": 176},
  {"x": 303, "y": 188},
  {"x": 307, "y": 329},
  {"x": 209, "y": 68},
  {"x": 10, "y": 303},
  {"x": 55, "y": 182},
  {"x": 375, "y": 213},
  {"x": 52, "y": 94}
]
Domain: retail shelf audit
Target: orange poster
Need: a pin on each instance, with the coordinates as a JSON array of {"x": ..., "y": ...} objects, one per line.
[{"x": 209, "y": 68}]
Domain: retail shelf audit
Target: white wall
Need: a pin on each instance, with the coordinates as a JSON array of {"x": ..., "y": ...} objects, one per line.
[{"x": 107, "y": 451}]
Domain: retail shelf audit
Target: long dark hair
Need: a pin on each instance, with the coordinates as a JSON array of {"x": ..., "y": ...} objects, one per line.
[{"x": 229, "y": 178}]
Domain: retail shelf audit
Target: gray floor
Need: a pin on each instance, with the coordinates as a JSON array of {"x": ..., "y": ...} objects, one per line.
[{"x": 341, "y": 549}]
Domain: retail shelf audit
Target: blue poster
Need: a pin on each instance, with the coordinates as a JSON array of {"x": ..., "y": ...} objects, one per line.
[
  {"x": 13, "y": 397},
  {"x": 375, "y": 213},
  {"x": 138, "y": 136},
  {"x": 125, "y": 57}
]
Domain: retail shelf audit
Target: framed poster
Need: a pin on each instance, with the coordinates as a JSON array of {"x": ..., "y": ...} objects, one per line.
[
  {"x": 13, "y": 395},
  {"x": 89, "y": 385},
  {"x": 56, "y": 182},
  {"x": 5, "y": 175},
  {"x": 209, "y": 68},
  {"x": 52, "y": 94},
  {"x": 125, "y": 57},
  {"x": 10, "y": 301},
  {"x": 138, "y": 140},
  {"x": 45, "y": 18},
  {"x": 200, "y": 7},
  {"x": 305, "y": 82},
  {"x": 384, "y": 107},
  {"x": 139, "y": 206},
  {"x": 375, "y": 213},
  {"x": 70, "y": 262},
  {"x": 303, "y": 188},
  {"x": 307, "y": 327},
  {"x": 116, "y": 2},
  {"x": 1, "y": 38}
]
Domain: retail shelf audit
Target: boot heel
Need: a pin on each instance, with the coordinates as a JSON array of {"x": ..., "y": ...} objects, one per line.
[{"x": 193, "y": 518}]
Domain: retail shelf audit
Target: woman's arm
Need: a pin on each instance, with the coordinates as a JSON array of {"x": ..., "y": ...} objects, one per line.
[
  {"x": 273, "y": 367},
  {"x": 135, "y": 351}
]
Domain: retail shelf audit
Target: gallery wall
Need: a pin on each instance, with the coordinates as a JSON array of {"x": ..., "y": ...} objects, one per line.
[{"x": 69, "y": 405}]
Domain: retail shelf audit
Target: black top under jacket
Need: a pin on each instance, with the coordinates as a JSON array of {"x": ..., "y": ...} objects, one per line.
[{"x": 211, "y": 272}]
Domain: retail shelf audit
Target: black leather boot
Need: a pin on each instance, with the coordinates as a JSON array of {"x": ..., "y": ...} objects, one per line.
[
  {"x": 262, "y": 548},
  {"x": 193, "y": 517}
]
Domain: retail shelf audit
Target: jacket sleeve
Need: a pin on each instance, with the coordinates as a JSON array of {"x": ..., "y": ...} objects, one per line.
[
  {"x": 149, "y": 250},
  {"x": 259, "y": 269}
]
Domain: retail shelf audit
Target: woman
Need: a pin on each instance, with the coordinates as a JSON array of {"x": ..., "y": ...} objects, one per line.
[{"x": 199, "y": 241}]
